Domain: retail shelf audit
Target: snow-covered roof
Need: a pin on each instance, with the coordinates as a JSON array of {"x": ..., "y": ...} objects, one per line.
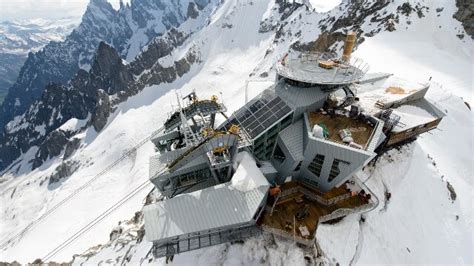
[
  {"x": 392, "y": 91},
  {"x": 412, "y": 116},
  {"x": 231, "y": 203}
]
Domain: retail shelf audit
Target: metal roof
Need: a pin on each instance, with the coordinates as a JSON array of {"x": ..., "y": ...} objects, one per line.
[
  {"x": 416, "y": 113},
  {"x": 292, "y": 138},
  {"x": 231, "y": 203},
  {"x": 296, "y": 97}
]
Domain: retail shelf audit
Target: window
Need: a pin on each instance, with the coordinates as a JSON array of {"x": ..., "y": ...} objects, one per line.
[
  {"x": 298, "y": 167},
  {"x": 336, "y": 167},
  {"x": 311, "y": 182},
  {"x": 278, "y": 154},
  {"x": 316, "y": 165}
]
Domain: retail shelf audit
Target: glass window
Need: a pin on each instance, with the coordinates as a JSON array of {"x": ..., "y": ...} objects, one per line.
[
  {"x": 336, "y": 167},
  {"x": 316, "y": 165}
]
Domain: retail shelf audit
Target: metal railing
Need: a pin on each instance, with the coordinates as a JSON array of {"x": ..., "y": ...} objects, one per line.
[
  {"x": 279, "y": 232},
  {"x": 313, "y": 196},
  {"x": 344, "y": 212}
]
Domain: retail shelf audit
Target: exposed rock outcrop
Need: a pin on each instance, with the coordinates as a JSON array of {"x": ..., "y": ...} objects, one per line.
[
  {"x": 102, "y": 111},
  {"x": 93, "y": 93},
  {"x": 52, "y": 146},
  {"x": 58, "y": 62},
  {"x": 71, "y": 147},
  {"x": 64, "y": 170},
  {"x": 465, "y": 15}
]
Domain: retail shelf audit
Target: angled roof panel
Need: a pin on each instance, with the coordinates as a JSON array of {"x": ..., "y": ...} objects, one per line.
[
  {"x": 292, "y": 138},
  {"x": 232, "y": 203},
  {"x": 296, "y": 97}
]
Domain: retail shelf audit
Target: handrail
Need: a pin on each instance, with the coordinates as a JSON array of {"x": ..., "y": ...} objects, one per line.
[
  {"x": 279, "y": 232},
  {"x": 318, "y": 198}
]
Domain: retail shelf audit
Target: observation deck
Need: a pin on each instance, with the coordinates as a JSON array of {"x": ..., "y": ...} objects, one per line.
[{"x": 321, "y": 68}]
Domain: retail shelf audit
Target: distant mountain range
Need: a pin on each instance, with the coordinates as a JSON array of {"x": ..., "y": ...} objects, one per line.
[
  {"x": 18, "y": 38},
  {"x": 94, "y": 71},
  {"x": 127, "y": 30}
]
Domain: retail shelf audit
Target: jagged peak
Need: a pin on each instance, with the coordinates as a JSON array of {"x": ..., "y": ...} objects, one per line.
[
  {"x": 99, "y": 5},
  {"x": 103, "y": 58}
]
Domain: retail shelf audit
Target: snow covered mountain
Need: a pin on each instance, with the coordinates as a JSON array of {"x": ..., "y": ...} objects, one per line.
[
  {"x": 24, "y": 36},
  {"x": 18, "y": 38},
  {"x": 77, "y": 130},
  {"x": 128, "y": 30}
]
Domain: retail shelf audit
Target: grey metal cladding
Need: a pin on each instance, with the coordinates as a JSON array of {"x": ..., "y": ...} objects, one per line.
[
  {"x": 292, "y": 138},
  {"x": 331, "y": 151},
  {"x": 210, "y": 209},
  {"x": 158, "y": 161},
  {"x": 299, "y": 97}
]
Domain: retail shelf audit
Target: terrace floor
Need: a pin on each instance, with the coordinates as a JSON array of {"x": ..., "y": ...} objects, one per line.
[
  {"x": 285, "y": 211},
  {"x": 361, "y": 131}
]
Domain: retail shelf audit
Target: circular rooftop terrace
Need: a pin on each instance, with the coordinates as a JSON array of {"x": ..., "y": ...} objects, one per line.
[{"x": 321, "y": 68}]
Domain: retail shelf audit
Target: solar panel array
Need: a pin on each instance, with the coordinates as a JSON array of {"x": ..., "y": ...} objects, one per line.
[{"x": 259, "y": 114}]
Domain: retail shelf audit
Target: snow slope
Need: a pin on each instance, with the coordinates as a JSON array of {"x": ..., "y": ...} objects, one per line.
[
  {"x": 134, "y": 120},
  {"x": 418, "y": 225},
  {"x": 425, "y": 48}
]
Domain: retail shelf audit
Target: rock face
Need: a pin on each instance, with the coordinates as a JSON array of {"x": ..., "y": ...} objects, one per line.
[
  {"x": 10, "y": 65},
  {"x": 127, "y": 30},
  {"x": 52, "y": 146},
  {"x": 64, "y": 170},
  {"x": 465, "y": 15},
  {"x": 18, "y": 38},
  {"x": 89, "y": 94}
]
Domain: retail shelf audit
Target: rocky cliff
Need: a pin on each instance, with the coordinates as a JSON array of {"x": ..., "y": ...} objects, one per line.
[
  {"x": 465, "y": 15},
  {"x": 128, "y": 30}
]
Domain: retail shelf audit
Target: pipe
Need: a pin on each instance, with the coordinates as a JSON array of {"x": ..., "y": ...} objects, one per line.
[{"x": 349, "y": 46}]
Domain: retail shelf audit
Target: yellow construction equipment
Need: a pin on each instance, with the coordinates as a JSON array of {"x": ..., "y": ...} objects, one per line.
[
  {"x": 214, "y": 98},
  {"x": 220, "y": 150},
  {"x": 327, "y": 64},
  {"x": 208, "y": 132},
  {"x": 234, "y": 129}
]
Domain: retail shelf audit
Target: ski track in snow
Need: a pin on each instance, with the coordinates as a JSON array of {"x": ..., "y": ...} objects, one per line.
[{"x": 418, "y": 226}]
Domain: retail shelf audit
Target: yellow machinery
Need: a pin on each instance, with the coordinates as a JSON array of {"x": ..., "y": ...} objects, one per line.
[
  {"x": 329, "y": 64},
  {"x": 234, "y": 129},
  {"x": 208, "y": 132}
]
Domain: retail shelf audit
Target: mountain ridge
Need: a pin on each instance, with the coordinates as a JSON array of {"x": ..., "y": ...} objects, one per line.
[{"x": 124, "y": 29}]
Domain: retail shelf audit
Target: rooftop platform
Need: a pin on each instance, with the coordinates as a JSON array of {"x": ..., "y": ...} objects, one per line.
[
  {"x": 361, "y": 131},
  {"x": 416, "y": 113},
  {"x": 284, "y": 218},
  {"x": 389, "y": 93},
  {"x": 305, "y": 67}
]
